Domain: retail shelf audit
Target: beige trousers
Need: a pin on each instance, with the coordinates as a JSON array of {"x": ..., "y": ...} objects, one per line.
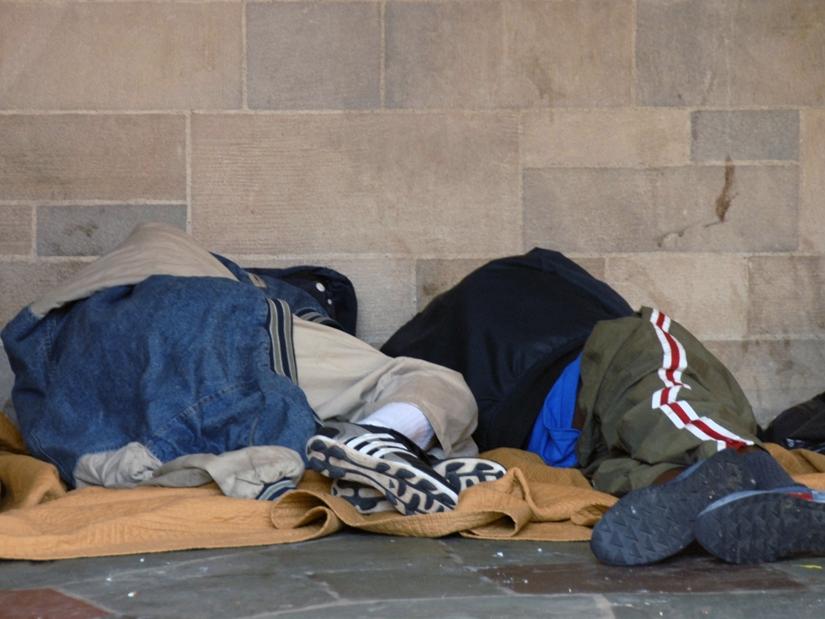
[{"x": 347, "y": 378}]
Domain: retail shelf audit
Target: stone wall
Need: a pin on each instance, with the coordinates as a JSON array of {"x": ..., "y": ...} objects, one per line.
[{"x": 673, "y": 147}]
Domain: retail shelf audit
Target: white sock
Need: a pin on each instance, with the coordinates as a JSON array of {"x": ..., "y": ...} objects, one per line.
[{"x": 406, "y": 419}]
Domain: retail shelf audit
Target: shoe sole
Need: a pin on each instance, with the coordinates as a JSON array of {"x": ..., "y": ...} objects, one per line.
[
  {"x": 653, "y": 523},
  {"x": 460, "y": 473},
  {"x": 763, "y": 527},
  {"x": 365, "y": 499},
  {"x": 407, "y": 488}
]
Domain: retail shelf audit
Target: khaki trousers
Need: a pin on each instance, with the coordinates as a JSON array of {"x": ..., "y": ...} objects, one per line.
[{"x": 347, "y": 378}]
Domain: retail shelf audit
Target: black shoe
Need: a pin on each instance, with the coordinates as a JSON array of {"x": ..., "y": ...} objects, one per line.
[
  {"x": 383, "y": 459},
  {"x": 765, "y": 525},
  {"x": 653, "y": 523}
]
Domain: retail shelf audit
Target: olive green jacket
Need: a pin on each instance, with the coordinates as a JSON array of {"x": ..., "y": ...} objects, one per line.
[{"x": 654, "y": 398}]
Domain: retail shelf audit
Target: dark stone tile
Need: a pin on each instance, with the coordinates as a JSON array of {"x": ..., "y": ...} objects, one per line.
[
  {"x": 355, "y": 551},
  {"x": 734, "y": 605},
  {"x": 682, "y": 575},
  {"x": 354, "y": 574},
  {"x": 807, "y": 570},
  {"x": 210, "y": 583},
  {"x": 495, "y": 553},
  {"x": 95, "y": 230},
  {"x": 410, "y": 580},
  {"x": 212, "y": 592},
  {"x": 38, "y": 603},
  {"x": 25, "y": 574},
  {"x": 511, "y": 607}
]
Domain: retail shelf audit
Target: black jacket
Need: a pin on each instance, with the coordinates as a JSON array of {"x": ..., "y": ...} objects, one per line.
[{"x": 510, "y": 327}]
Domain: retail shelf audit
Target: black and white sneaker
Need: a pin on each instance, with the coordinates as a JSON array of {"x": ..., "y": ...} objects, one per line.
[
  {"x": 461, "y": 473},
  {"x": 383, "y": 459}
]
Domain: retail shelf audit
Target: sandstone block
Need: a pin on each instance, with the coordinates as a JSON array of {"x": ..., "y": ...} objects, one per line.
[
  {"x": 15, "y": 230},
  {"x": 787, "y": 295},
  {"x": 614, "y": 138},
  {"x": 812, "y": 192},
  {"x": 356, "y": 183},
  {"x": 310, "y": 55},
  {"x": 745, "y": 134},
  {"x": 103, "y": 157},
  {"x": 518, "y": 53},
  {"x": 706, "y": 293},
  {"x": 120, "y": 55},
  {"x": 95, "y": 230},
  {"x": 730, "y": 53},
  {"x": 386, "y": 294},
  {"x": 774, "y": 374},
  {"x": 705, "y": 209},
  {"x": 24, "y": 282}
]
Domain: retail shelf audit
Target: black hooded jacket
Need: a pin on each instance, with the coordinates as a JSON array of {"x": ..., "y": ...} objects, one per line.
[{"x": 510, "y": 327}]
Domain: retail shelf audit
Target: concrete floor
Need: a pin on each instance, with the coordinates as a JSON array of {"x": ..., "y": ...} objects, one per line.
[{"x": 362, "y": 575}]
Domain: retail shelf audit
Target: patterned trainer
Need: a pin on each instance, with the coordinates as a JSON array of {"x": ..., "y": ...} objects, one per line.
[
  {"x": 766, "y": 525},
  {"x": 461, "y": 473},
  {"x": 383, "y": 459}
]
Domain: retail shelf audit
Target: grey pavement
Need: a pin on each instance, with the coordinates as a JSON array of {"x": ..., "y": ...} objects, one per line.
[{"x": 355, "y": 574}]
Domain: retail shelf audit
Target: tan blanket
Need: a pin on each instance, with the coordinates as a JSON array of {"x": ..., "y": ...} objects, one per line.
[{"x": 41, "y": 521}]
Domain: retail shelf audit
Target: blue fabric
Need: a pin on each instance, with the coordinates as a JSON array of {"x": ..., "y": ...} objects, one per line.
[
  {"x": 554, "y": 437},
  {"x": 180, "y": 364}
]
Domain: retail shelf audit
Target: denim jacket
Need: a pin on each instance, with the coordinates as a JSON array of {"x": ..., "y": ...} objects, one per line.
[{"x": 154, "y": 344}]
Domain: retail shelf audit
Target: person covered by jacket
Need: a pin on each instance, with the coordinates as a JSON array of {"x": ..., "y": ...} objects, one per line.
[
  {"x": 161, "y": 363},
  {"x": 562, "y": 366}
]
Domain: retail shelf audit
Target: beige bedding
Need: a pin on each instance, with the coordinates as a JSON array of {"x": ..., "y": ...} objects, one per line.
[{"x": 39, "y": 520}]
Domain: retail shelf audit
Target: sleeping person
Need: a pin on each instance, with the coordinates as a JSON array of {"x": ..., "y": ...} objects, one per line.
[
  {"x": 160, "y": 363},
  {"x": 561, "y": 365}
]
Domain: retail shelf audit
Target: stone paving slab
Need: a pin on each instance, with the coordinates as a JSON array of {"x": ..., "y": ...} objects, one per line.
[
  {"x": 45, "y": 603},
  {"x": 682, "y": 576},
  {"x": 744, "y": 605},
  {"x": 527, "y": 607},
  {"x": 356, "y": 574}
]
